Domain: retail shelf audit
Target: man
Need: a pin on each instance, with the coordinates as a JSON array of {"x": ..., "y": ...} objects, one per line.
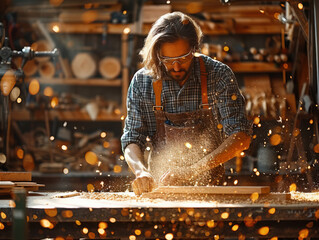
[{"x": 186, "y": 106}]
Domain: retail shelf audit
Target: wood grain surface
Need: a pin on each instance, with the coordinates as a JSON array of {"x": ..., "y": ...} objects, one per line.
[{"x": 213, "y": 189}]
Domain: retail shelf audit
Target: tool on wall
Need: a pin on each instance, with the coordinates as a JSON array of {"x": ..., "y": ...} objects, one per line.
[{"x": 10, "y": 77}]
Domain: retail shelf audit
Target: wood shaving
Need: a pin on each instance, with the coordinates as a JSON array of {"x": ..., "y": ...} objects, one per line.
[{"x": 305, "y": 197}]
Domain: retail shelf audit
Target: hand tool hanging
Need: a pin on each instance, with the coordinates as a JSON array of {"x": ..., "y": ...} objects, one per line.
[{"x": 9, "y": 78}]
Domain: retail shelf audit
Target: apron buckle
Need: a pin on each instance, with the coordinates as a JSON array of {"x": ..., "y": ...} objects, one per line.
[
  {"x": 206, "y": 106},
  {"x": 155, "y": 108}
]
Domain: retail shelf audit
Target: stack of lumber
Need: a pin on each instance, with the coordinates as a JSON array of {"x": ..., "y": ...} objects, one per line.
[{"x": 11, "y": 180}]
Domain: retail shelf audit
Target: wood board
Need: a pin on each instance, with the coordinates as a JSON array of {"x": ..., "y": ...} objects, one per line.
[
  {"x": 6, "y": 187},
  {"x": 212, "y": 189},
  {"x": 15, "y": 176}
]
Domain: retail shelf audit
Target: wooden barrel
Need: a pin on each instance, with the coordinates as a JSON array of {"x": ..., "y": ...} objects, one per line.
[
  {"x": 84, "y": 65},
  {"x": 46, "y": 69},
  {"x": 109, "y": 67}
]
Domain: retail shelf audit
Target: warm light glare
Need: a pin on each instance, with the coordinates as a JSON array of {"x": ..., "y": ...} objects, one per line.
[
  {"x": 300, "y": 6},
  {"x": 126, "y": 30},
  {"x": 34, "y": 87},
  {"x": 55, "y": 28}
]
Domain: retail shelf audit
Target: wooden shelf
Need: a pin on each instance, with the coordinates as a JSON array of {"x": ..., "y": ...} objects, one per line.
[
  {"x": 257, "y": 67},
  {"x": 63, "y": 115},
  {"x": 81, "y": 82},
  {"x": 88, "y": 28}
]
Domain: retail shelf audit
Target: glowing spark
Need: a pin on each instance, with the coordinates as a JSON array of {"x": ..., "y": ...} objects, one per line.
[
  {"x": 263, "y": 231},
  {"x": 256, "y": 120},
  {"x": 65, "y": 171},
  {"x": 254, "y": 196},
  {"x": 67, "y": 214},
  {"x": 236, "y": 182},
  {"x": 117, "y": 169},
  {"x": 262, "y": 11},
  {"x": 292, "y": 187},
  {"x": 112, "y": 220},
  {"x": 3, "y": 215},
  {"x": 126, "y": 30},
  {"x": 226, "y": 48},
  {"x": 45, "y": 223},
  {"x": 303, "y": 234},
  {"x": 103, "y": 134},
  {"x": 272, "y": 210},
  {"x": 188, "y": 145},
  {"x": 138, "y": 232},
  {"x": 235, "y": 228},
  {"x": 64, "y": 147},
  {"x": 300, "y": 6},
  {"x": 234, "y": 97},
  {"x": 91, "y": 158},
  {"x": 211, "y": 223},
  {"x": 55, "y": 28},
  {"x": 169, "y": 236},
  {"x": 90, "y": 187},
  {"x": 54, "y": 102},
  {"x": 224, "y": 215},
  {"x": 85, "y": 230},
  {"x": 20, "y": 153}
]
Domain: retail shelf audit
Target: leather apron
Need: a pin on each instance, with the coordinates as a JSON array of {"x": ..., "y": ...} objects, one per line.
[{"x": 181, "y": 139}]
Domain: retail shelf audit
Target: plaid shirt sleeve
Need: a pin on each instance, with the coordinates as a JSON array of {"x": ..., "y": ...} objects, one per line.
[
  {"x": 135, "y": 130},
  {"x": 231, "y": 103}
]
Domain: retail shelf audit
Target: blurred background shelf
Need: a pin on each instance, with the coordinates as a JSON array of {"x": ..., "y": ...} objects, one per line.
[{"x": 62, "y": 115}]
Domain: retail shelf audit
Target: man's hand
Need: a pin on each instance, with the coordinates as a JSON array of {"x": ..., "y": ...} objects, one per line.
[{"x": 143, "y": 183}]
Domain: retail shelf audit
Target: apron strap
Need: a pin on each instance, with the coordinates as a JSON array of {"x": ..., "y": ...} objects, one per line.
[
  {"x": 203, "y": 77},
  {"x": 157, "y": 86}
]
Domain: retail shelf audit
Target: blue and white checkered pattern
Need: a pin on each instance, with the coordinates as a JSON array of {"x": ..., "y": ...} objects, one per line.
[{"x": 224, "y": 97}]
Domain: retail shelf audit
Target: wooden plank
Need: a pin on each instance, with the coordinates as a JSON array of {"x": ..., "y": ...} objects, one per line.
[
  {"x": 66, "y": 195},
  {"x": 28, "y": 184},
  {"x": 15, "y": 176},
  {"x": 212, "y": 189},
  {"x": 256, "y": 67},
  {"x": 6, "y": 184}
]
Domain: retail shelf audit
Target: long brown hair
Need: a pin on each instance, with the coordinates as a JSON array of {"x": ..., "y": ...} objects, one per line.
[{"x": 168, "y": 28}]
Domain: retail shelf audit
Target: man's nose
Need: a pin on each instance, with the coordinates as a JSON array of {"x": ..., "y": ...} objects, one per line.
[{"x": 176, "y": 66}]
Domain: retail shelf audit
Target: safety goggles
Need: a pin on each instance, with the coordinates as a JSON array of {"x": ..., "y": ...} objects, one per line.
[{"x": 181, "y": 59}]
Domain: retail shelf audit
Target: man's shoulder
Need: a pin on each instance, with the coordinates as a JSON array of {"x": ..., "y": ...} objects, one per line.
[
  {"x": 213, "y": 63},
  {"x": 142, "y": 75}
]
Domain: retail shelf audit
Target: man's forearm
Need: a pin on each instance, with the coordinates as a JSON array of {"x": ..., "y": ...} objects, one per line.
[
  {"x": 135, "y": 158},
  {"x": 230, "y": 148}
]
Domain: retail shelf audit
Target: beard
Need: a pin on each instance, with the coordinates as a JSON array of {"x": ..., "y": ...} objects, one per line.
[{"x": 178, "y": 76}]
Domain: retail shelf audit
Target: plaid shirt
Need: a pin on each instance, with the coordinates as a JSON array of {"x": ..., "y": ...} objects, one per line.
[{"x": 224, "y": 97}]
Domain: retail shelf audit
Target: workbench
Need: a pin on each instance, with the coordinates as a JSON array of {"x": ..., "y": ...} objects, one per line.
[{"x": 122, "y": 215}]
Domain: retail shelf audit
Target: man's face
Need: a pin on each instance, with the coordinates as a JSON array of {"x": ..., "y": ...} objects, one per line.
[{"x": 177, "y": 59}]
